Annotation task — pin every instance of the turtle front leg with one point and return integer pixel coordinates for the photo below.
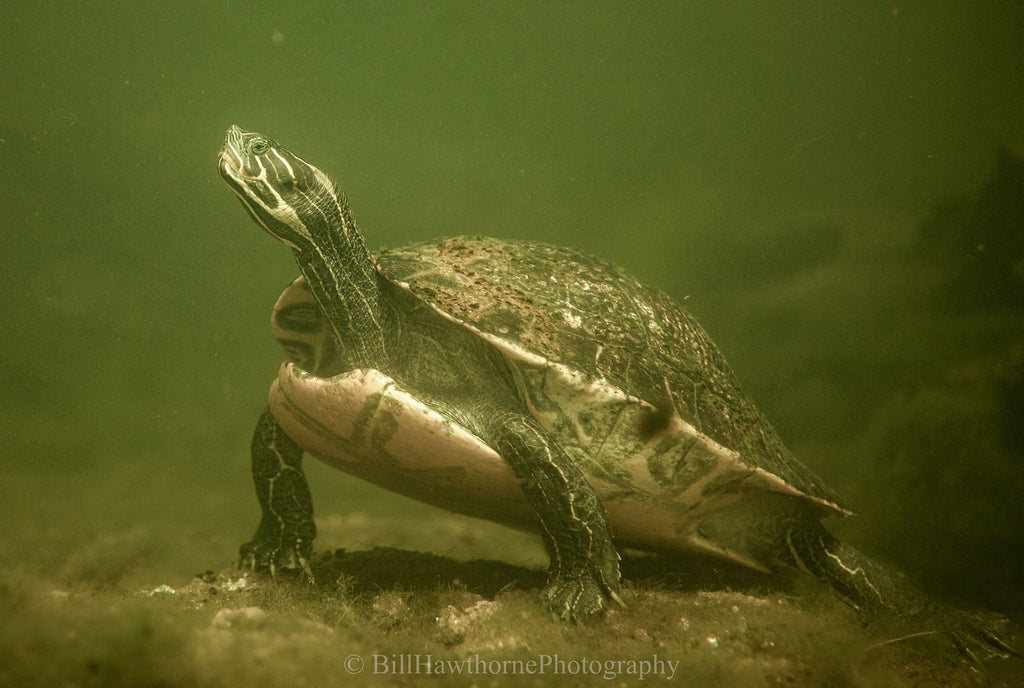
(284, 538)
(584, 570)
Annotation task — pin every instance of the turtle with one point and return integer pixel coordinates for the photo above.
(532, 385)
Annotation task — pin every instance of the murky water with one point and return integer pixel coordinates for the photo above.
(821, 186)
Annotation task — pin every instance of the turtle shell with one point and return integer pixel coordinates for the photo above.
(606, 335)
(623, 378)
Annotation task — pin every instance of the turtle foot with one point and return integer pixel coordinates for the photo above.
(580, 597)
(277, 554)
(976, 636)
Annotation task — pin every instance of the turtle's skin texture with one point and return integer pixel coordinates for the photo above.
(528, 384)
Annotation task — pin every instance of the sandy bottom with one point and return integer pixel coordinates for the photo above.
(92, 596)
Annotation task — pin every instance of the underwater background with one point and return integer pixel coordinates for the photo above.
(835, 190)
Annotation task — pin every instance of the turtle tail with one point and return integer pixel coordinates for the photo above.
(876, 591)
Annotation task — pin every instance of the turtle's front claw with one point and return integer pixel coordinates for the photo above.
(277, 553)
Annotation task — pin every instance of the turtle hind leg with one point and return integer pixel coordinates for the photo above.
(284, 537)
(875, 591)
(856, 579)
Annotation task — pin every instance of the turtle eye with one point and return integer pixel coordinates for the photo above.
(259, 146)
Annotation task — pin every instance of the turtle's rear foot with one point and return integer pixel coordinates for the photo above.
(877, 593)
(582, 591)
(579, 599)
(976, 635)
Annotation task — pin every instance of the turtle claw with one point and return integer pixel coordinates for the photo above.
(304, 565)
(579, 598)
(614, 597)
(975, 637)
(575, 600)
(274, 556)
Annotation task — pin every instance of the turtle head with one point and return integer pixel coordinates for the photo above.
(300, 205)
(291, 199)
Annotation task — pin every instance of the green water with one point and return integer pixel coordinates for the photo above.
(771, 165)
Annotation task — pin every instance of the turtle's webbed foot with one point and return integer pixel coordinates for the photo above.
(581, 595)
(882, 595)
(279, 552)
(284, 538)
(976, 636)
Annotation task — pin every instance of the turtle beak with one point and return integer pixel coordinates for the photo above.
(230, 162)
(227, 166)
(234, 137)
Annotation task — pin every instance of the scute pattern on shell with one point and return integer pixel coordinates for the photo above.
(593, 317)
